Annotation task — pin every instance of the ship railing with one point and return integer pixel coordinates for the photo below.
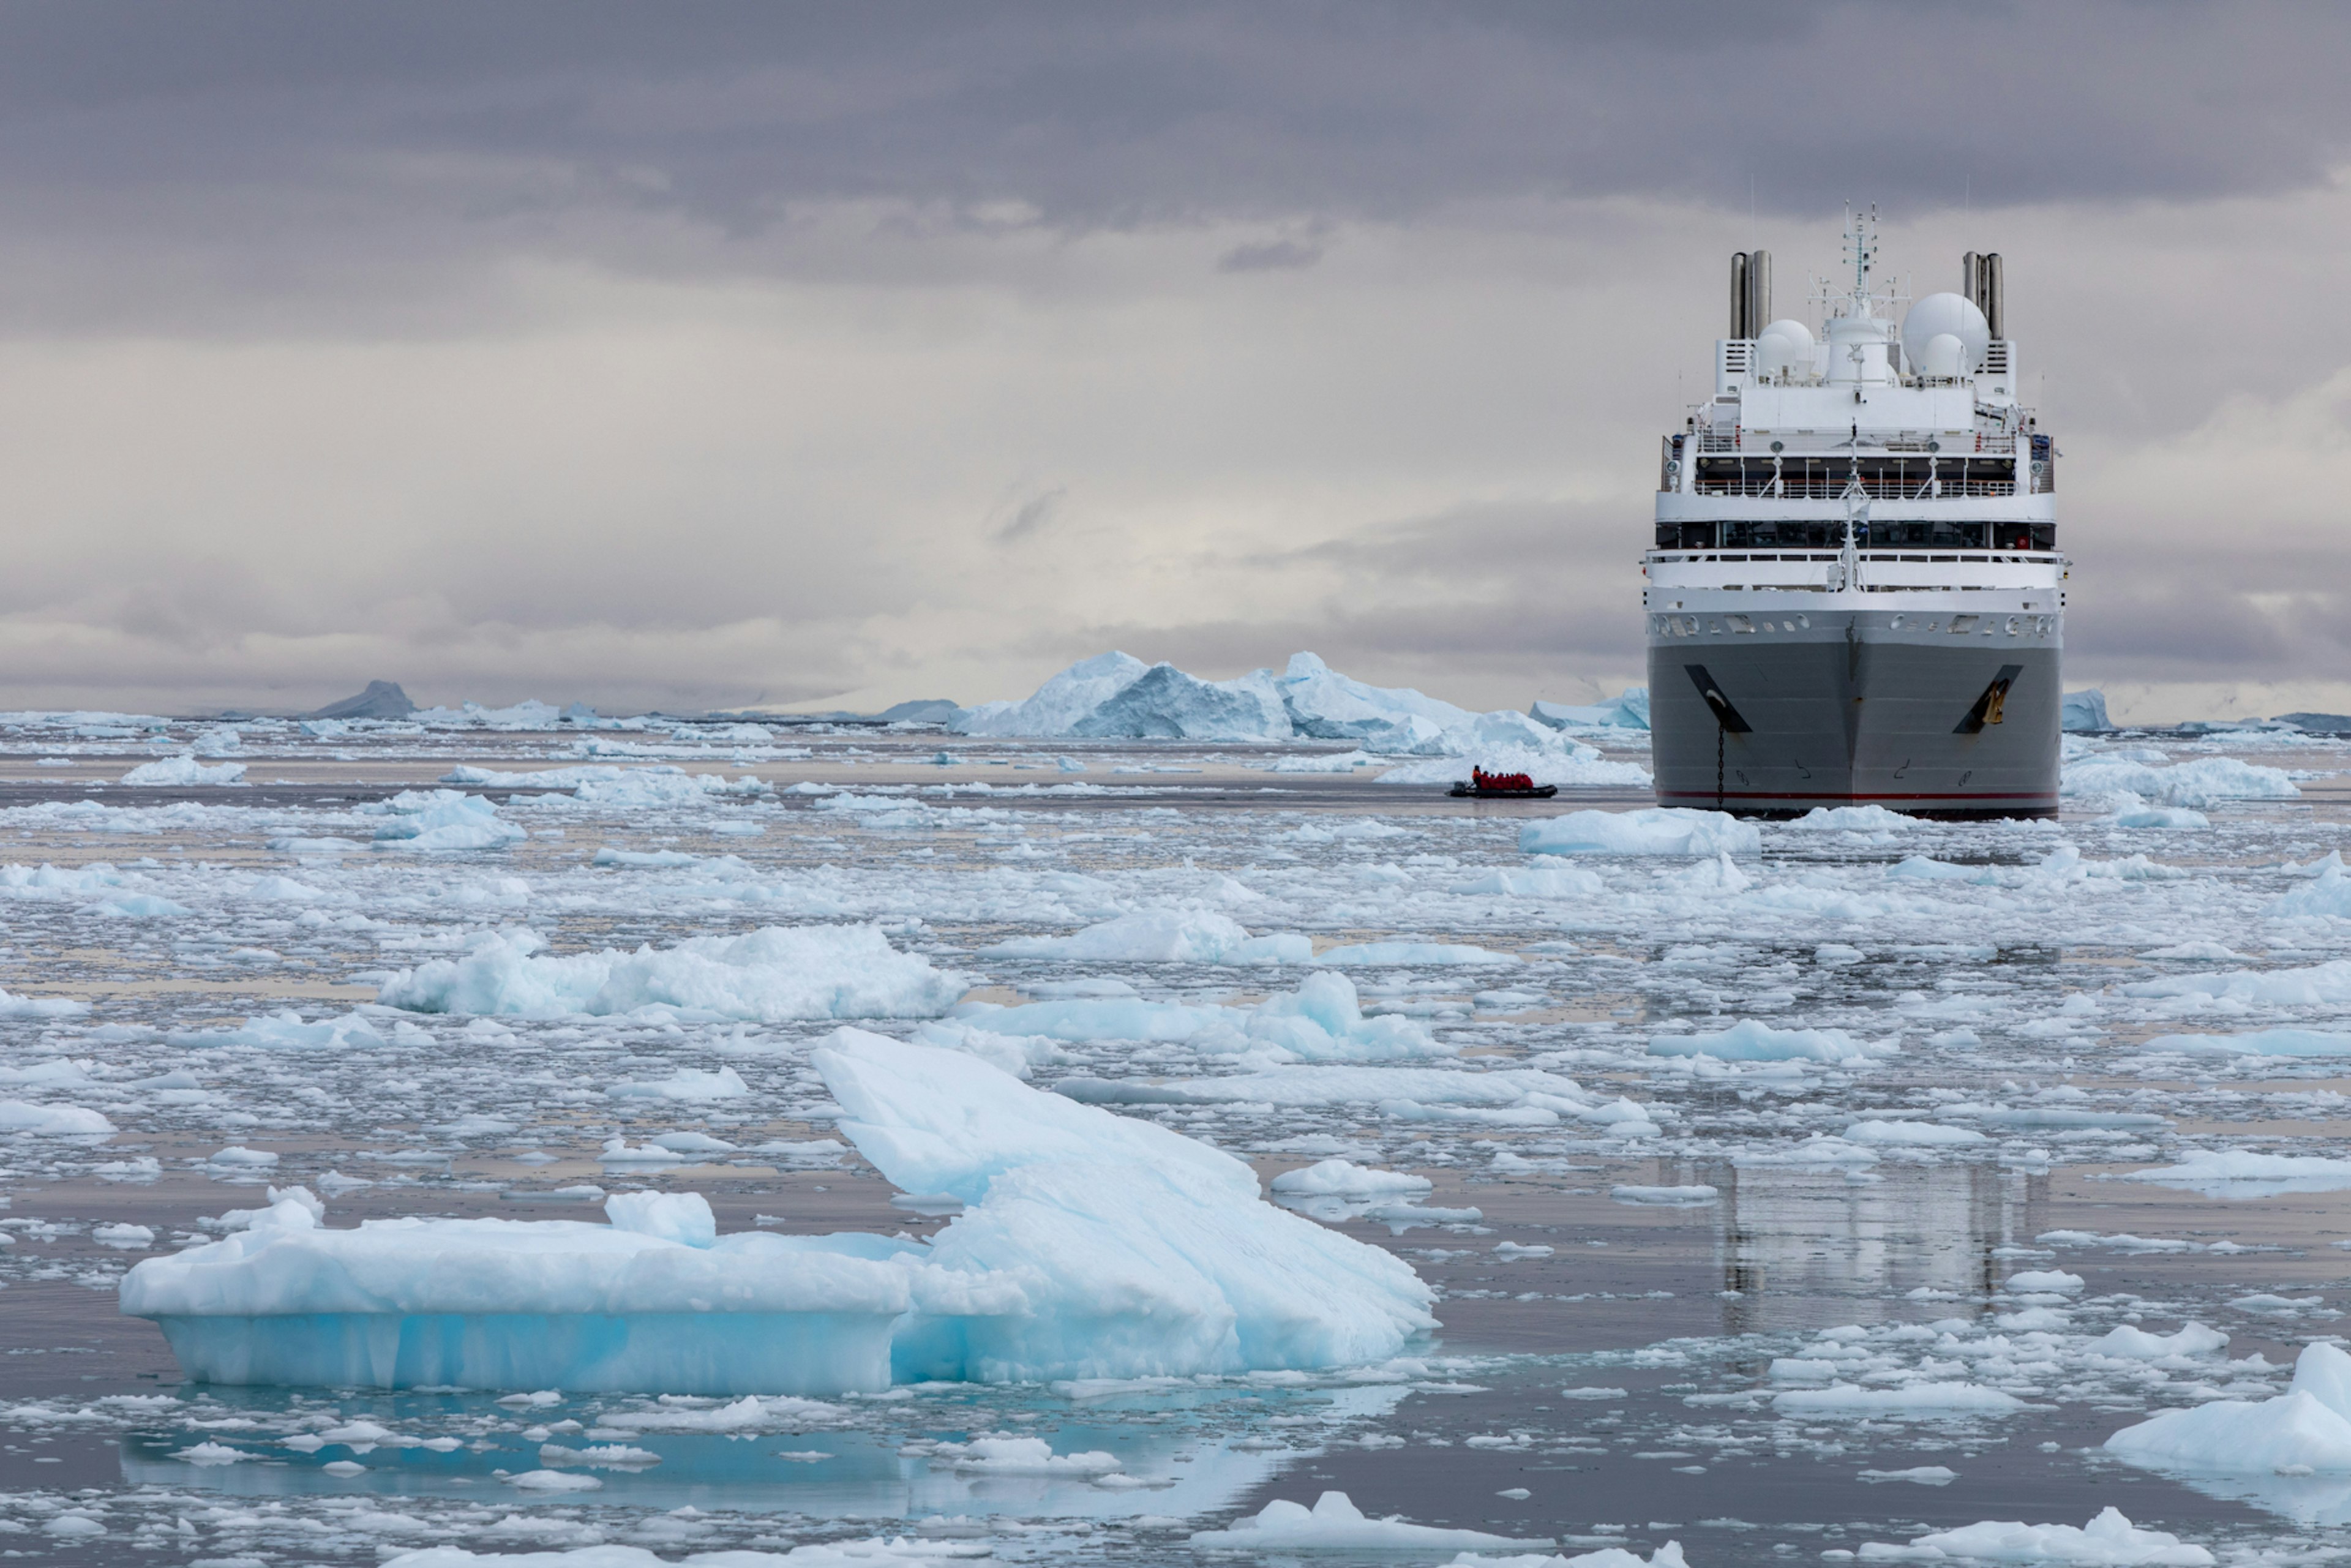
(1792, 487)
(1978, 558)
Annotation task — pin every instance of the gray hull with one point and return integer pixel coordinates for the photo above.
(1852, 709)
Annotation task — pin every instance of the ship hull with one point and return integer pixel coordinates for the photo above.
(1858, 709)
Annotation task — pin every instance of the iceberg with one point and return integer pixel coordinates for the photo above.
(2260, 1042)
(2241, 1173)
(1629, 711)
(1649, 830)
(1057, 704)
(772, 975)
(2327, 895)
(1324, 704)
(1344, 1178)
(2308, 1426)
(1166, 703)
(1090, 1244)
(185, 770)
(2085, 712)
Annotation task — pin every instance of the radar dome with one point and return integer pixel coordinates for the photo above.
(1782, 345)
(1941, 357)
(1946, 315)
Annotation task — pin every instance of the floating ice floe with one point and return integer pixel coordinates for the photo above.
(52, 1120)
(1322, 1020)
(185, 770)
(1343, 1179)
(1165, 937)
(2241, 1173)
(285, 1031)
(16, 1007)
(1650, 831)
(1913, 1401)
(2258, 1042)
(2319, 985)
(1335, 1524)
(442, 819)
(2326, 894)
(1694, 1196)
(2304, 1430)
(1090, 1244)
(770, 974)
(1748, 1041)
(2109, 1541)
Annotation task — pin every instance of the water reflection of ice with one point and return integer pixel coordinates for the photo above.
(1187, 1471)
(1787, 1236)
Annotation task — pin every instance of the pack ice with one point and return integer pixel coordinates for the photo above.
(1092, 1245)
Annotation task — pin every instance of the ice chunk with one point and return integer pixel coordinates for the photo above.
(1164, 702)
(874, 1553)
(1023, 1456)
(683, 1218)
(1649, 830)
(1142, 1252)
(1346, 1179)
(1058, 704)
(1929, 1400)
(16, 1007)
(770, 974)
(443, 819)
(2308, 1426)
(2130, 1344)
(185, 770)
(2241, 1174)
(686, 1084)
(286, 1030)
(1534, 881)
(1322, 1020)
(1870, 819)
(2085, 712)
(2320, 985)
(2328, 893)
(51, 1121)
(1748, 1040)
(1335, 1524)
(1435, 955)
(2109, 1541)
(1165, 937)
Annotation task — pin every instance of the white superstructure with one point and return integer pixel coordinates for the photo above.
(1912, 431)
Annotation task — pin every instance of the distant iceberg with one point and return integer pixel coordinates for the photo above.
(2085, 712)
(1091, 1245)
(1630, 711)
(1116, 695)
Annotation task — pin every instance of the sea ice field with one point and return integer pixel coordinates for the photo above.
(512, 1136)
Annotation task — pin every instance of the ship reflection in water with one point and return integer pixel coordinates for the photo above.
(1796, 1242)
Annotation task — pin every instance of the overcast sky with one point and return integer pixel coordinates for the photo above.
(723, 354)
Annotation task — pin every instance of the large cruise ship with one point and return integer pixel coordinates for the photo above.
(1856, 594)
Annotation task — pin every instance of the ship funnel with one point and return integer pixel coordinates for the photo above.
(1751, 292)
(1979, 281)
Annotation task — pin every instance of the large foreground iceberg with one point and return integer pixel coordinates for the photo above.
(1092, 1245)
(2307, 1428)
